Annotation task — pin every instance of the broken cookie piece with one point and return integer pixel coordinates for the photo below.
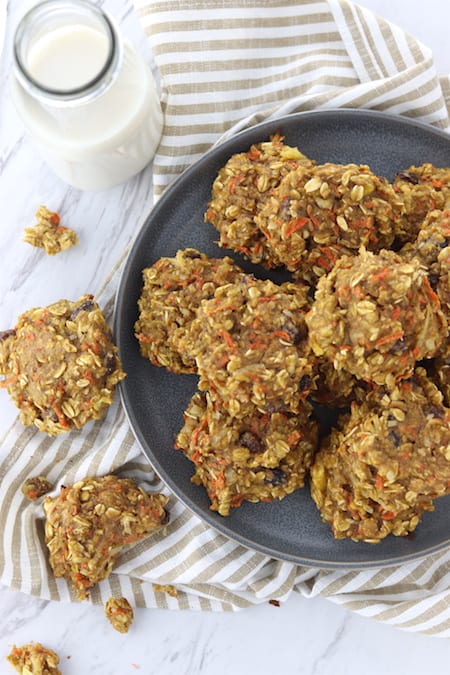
(34, 659)
(119, 613)
(49, 234)
(36, 487)
(90, 523)
(166, 588)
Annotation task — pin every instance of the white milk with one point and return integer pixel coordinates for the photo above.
(101, 141)
(51, 58)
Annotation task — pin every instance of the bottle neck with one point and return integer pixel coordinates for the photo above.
(66, 52)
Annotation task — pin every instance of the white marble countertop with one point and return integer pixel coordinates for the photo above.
(314, 636)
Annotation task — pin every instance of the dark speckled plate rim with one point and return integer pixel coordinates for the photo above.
(262, 130)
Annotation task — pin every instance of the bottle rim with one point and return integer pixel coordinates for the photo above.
(90, 89)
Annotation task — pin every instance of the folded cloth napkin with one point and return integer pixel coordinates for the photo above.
(225, 66)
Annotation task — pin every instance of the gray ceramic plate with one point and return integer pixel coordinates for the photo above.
(154, 399)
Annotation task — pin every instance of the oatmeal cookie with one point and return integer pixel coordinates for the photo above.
(433, 237)
(440, 365)
(432, 249)
(91, 522)
(250, 346)
(259, 457)
(383, 468)
(49, 234)
(421, 189)
(34, 659)
(375, 316)
(443, 281)
(173, 289)
(60, 365)
(119, 613)
(317, 214)
(241, 188)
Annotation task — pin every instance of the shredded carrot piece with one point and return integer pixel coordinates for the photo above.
(388, 515)
(390, 338)
(283, 335)
(55, 219)
(253, 153)
(381, 275)
(379, 482)
(228, 339)
(233, 183)
(295, 225)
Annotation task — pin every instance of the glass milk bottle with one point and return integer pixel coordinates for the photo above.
(84, 94)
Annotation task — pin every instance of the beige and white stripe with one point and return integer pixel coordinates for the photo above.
(225, 65)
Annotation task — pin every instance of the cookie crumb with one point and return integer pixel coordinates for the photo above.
(166, 588)
(49, 234)
(119, 613)
(34, 659)
(36, 487)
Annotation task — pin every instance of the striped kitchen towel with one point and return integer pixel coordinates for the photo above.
(226, 65)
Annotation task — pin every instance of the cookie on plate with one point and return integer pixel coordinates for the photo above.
(250, 345)
(241, 188)
(258, 458)
(173, 289)
(375, 316)
(318, 214)
(381, 469)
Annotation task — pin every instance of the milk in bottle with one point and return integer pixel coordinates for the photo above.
(85, 95)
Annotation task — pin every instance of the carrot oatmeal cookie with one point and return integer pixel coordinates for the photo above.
(256, 458)
(60, 365)
(173, 289)
(432, 249)
(34, 659)
(91, 522)
(49, 234)
(119, 613)
(250, 346)
(375, 316)
(440, 365)
(317, 214)
(433, 237)
(242, 186)
(421, 189)
(443, 281)
(383, 468)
